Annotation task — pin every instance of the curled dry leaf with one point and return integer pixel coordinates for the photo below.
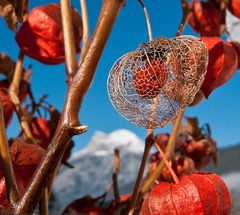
(41, 36)
(7, 67)
(223, 62)
(12, 12)
(162, 140)
(205, 18)
(8, 13)
(191, 128)
(181, 165)
(200, 193)
(23, 89)
(85, 205)
(202, 151)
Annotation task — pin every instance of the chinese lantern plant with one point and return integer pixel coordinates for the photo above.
(41, 35)
(234, 8)
(223, 63)
(198, 193)
(205, 18)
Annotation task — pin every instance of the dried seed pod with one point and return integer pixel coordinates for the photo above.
(153, 84)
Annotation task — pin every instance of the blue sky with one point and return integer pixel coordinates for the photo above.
(221, 110)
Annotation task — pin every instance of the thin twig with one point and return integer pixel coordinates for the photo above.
(147, 19)
(186, 12)
(174, 176)
(12, 190)
(13, 92)
(43, 203)
(86, 34)
(150, 134)
(69, 44)
(168, 153)
(148, 145)
(116, 167)
(69, 124)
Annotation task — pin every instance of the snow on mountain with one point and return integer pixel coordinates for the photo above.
(93, 166)
(233, 26)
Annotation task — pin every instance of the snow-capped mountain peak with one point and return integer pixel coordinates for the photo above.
(94, 164)
(103, 144)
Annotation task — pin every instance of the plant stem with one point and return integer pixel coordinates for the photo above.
(147, 19)
(116, 167)
(69, 124)
(43, 203)
(168, 153)
(186, 12)
(12, 191)
(174, 176)
(69, 41)
(86, 34)
(13, 92)
(149, 138)
(148, 145)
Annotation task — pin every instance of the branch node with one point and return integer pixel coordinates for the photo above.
(77, 129)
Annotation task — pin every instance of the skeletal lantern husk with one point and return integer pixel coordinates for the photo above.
(152, 85)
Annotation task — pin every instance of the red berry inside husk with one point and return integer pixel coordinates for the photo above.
(149, 80)
(41, 36)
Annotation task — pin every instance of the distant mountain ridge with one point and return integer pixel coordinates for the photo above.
(229, 160)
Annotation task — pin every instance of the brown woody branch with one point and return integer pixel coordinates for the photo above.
(168, 154)
(13, 92)
(86, 34)
(116, 167)
(43, 203)
(69, 44)
(165, 160)
(69, 124)
(172, 140)
(148, 145)
(147, 19)
(12, 191)
(186, 12)
(150, 134)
